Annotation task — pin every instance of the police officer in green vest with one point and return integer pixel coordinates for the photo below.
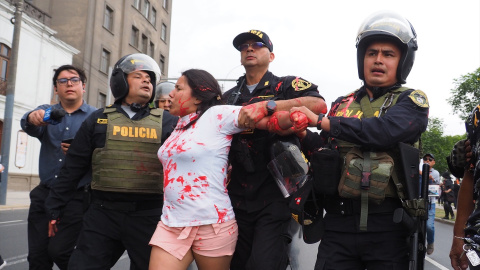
(366, 126)
(118, 145)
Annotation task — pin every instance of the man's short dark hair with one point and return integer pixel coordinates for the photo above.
(80, 72)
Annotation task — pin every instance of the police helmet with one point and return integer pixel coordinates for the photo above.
(393, 27)
(128, 64)
(163, 88)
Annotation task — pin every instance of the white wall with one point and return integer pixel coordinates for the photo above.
(39, 54)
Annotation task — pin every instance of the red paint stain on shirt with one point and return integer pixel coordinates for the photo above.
(221, 214)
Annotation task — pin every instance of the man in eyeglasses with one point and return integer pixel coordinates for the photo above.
(261, 210)
(434, 179)
(69, 84)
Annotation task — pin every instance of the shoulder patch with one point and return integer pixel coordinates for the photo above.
(419, 98)
(300, 85)
(102, 121)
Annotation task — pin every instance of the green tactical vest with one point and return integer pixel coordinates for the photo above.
(129, 161)
(377, 108)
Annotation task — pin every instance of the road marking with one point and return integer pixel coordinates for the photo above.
(14, 260)
(436, 263)
(12, 221)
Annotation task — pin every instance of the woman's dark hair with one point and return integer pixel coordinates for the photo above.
(205, 88)
(80, 72)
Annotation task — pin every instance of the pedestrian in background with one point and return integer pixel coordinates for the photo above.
(434, 179)
(448, 195)
(54, 126)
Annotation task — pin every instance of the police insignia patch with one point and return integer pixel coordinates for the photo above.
(102, 121)
(300, 85)
(419, 98)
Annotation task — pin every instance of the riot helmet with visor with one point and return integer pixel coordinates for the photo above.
(125, 66)
(388, 26)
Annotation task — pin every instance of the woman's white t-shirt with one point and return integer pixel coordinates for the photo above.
(195, 164)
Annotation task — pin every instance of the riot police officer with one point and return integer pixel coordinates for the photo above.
(162, 98)
(366, 126)
(118, 145)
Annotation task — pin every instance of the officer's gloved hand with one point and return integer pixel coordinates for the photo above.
(457, 161)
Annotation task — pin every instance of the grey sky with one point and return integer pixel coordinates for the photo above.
(316, 40)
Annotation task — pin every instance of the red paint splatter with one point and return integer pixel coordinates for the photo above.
(141, 168)
(180, 180)
(166, 172)
(221, 214)
(278, 86)
(204, 182)
(187, 189)
(183, 110)
(219, 116)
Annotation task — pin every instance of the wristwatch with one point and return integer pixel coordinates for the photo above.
(319, 122)
(271, 106)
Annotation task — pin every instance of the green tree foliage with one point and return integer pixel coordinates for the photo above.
(433, 141)
(466, 94)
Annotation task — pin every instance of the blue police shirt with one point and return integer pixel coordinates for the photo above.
(51, 157)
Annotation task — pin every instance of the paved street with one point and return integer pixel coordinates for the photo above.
(13, 240)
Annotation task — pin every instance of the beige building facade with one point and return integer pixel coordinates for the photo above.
(105, 30)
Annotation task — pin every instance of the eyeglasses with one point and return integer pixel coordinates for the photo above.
(428, 159)
(255, 45)
(74, 81)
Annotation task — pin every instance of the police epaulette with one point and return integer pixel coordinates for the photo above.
(156, 112)
(109, 110)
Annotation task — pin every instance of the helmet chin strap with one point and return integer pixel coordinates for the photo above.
(135, 106)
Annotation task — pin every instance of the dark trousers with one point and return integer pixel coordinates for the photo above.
(369, 250)
(263, 238)
(108, 233)
(447, 206)
(42, 250)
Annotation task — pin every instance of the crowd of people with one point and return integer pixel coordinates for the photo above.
(178, 172)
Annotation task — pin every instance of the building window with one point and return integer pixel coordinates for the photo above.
(153, 17)
(108, 18)
(162, 64)
(4, 58)
(165, 4)
(152, 49)
(164, 32)
(134, 37)
(136, 4)
(105, 61)
(146, 8)
(102, 100)
(144, 44)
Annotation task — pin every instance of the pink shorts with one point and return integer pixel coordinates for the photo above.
(212, 240)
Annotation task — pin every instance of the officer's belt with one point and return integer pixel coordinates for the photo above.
(128, 206)
(337, 205)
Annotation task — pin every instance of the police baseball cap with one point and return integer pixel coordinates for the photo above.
(428, 154)
(255, 35)
(307, 212)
